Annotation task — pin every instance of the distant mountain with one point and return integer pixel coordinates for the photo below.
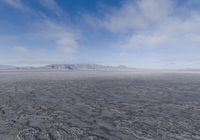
(84, 67)
(94, 67)
(7, 67)
(70, 67)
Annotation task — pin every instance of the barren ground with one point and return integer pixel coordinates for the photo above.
(99, 106)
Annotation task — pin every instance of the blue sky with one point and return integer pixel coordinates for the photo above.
(136, 33)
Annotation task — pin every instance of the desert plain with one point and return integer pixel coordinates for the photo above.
(96, 105)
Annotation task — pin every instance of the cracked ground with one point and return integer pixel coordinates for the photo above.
(99, 106)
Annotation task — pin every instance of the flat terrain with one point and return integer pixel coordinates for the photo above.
(99, 106)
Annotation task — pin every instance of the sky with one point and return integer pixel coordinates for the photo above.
(137, 33)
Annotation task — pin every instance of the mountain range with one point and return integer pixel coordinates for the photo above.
(7, 67)
(74, 67)
(67, 67)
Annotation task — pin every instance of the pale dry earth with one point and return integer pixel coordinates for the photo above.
(99, 106)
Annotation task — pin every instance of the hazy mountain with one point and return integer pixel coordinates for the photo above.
(84, 67)
(73, 67)
(7, 67)
(68, 67)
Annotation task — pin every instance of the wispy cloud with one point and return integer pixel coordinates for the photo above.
(67, 44)
(15, 3)
(48, 30)
(8, 38)
(18, 4)
(51, 5)
(152, 23)
(138, 15)
(23, 5)
(59, 34)
(21, 49)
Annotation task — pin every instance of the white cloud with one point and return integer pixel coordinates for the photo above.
(153, 23)
(155, 10)
(60, 36)
(21, 49)
(139, 15)
(67, 44)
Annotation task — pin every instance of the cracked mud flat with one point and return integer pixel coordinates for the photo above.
(99, 106)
